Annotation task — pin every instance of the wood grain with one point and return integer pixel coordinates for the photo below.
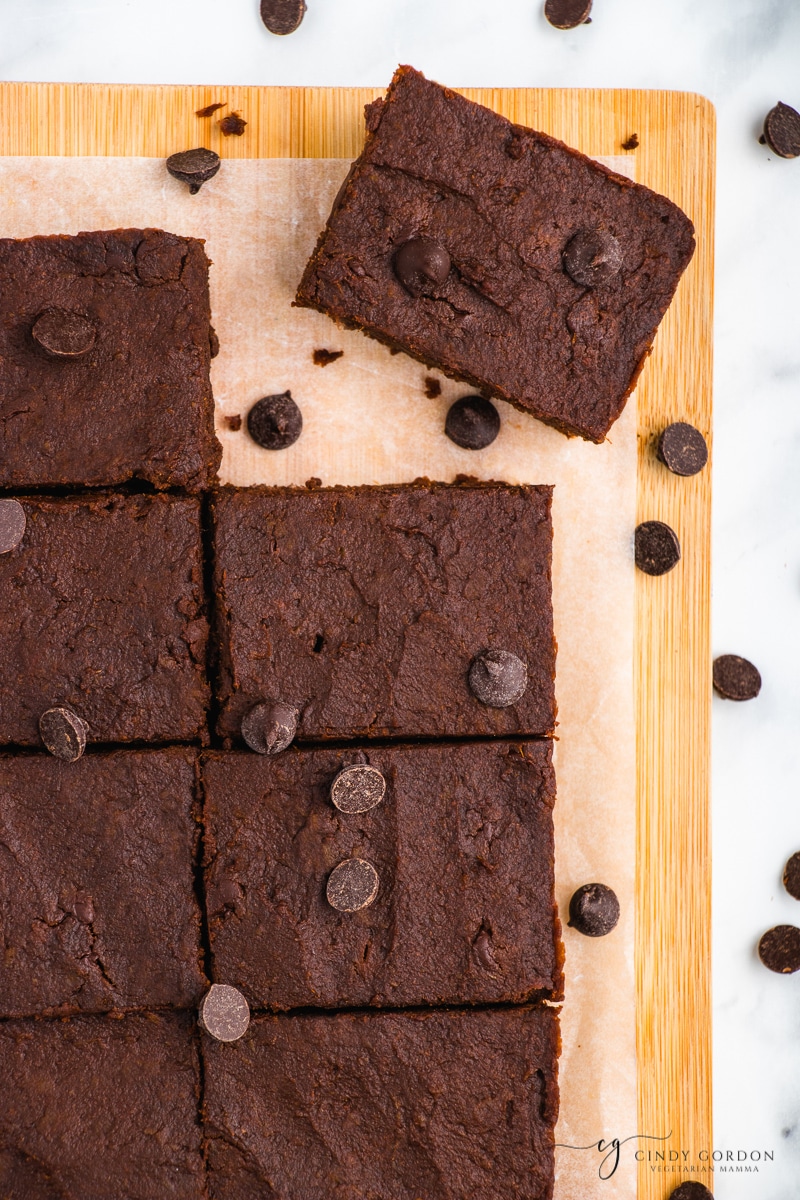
(676, 133)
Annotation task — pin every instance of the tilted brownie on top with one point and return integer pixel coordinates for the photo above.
(104, 361)
(500, 256)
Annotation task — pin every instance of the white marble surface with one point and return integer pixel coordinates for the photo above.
(744, 55)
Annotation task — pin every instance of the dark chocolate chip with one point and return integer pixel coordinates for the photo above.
(483, 950)
(567, 14)
(472, 423)
(683, 449)
(422, 265)
(64, 334)
(594, 910)
(592, 257)
(656, 548)
(12, 525)
(275, 422)
(352, 885)
(233, 125)
(324, 358)
(498, 678)
(224, 1013)
(209, 109)
(194, 167)
(213, 341)
(791, 876)
(63, 733)
(631, 143)
(779, 949)
(782, 131)
(691, 1190)
(233, 422)
(735, 678)
(431, 387)
(282, 16)
(269, 728)
(358, 788)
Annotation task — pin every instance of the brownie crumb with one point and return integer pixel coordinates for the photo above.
(233, 125)
(209, 109)
(313, 483)
(432, 387)
(234, 423)
(373, 113)
(631, 143)
(213, 341)
(324, 358)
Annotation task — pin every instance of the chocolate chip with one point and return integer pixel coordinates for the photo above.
(282, 16)
(64, 334)
(275, 422)
(782, 131)
(631, 143)
(498, 678)
(567, 14)
(63, 733)
(656, 548)
(12, 525)
(209, 109)
(472, 423)
(422, 265)
(791, 876)
(352, 885)
(358, 788)
(324, 358)
(213, 341)
(269, 728)
(224, 1013)
(779, 949)
(594, 910)
(691, 1190)
(683, 449)
(735, 678)
(592, 257)
(194, 167)
(233, 125)
(431, 387)
(234, 422)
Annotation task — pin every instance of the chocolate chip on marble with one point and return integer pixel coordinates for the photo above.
(779, 949)
(352, 885)
(735, 678)
(656, 548)
(224, 1013)
(682, 449)
(691, 1190)
(269, 728)
(791, 876)
(594, 910)
(592, 257)
(422, 265)
(498, 678)
(232, 125)
(567, 14)
(12, 525)
(194, 167)
(275, 422)
(63, 733)
(782, 131)
(472, 423)
(213, 341)
(282, 16)
(64, 334)
(358, 788)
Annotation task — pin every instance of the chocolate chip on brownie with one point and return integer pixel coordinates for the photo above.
(63, 733)
(270, 728)
(282, 16)
(352, 885)
(498, 678)
(275, 422)
(735, 678)
(592, 257)
(568, 14)
(779, 949)
(422, 265)
(791, 876)
(472, 423)
(782, 131)
(224, 1013)
(682, 449)
(12, 525)
(194, 167)
(63, 334)
(358, 788)
(656, 548)
(594, 910)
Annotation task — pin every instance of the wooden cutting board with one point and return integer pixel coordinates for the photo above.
(675, 155)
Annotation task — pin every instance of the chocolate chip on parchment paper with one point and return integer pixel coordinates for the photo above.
(472, 423)
(656, 548)
(682, 449)
(782, 131)
(358, 788)
(791, 876)
(63, 733)
(12, 525)
(232, 125)
(735, 678)
(64, 334)
(498, 678)
(352, 885)
(691, 1190)
(422, 265)
(194, 167)
(224, 1013)
(567, 14)
(779, 949)
(270, 727)
(275, 422)
(594, 910)
(591, 257)
(282, 16)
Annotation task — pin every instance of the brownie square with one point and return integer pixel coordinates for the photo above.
(135, 401)
(504, 202)
(439, 1105)
(94, 1108)
(103, 614)
(364, 607)
(97, 883)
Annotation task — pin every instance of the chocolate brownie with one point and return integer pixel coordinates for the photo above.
(94, 1108)
(462, 843)
(365, 608)
(443, 1105)
(103, 614)
(499, 256)
(97, 883)
(104, 361)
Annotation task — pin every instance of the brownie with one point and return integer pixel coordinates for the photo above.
(499, 204)
(97, 883)
(365, 607)
(463, 846)
(131, 397)
(441, 1105)
(94, 1108)
(103, 613)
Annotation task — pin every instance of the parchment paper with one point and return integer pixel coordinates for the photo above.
(367, 420)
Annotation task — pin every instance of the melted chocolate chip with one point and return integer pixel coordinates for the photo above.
(594, 910)
(422, 265)
(656, 548)
(691, 1190)
(224, 1013)
(194, 167)
(233, 125)
(213, 341)
(472, 423)
(282, 16)
(275, 422)
(63, 733)
(791, 876)
(735, 678)
(352, 885)
(64, 334)
(782, 131)
(567, 14)
(324, 358)
(779, 949)
(358, 788)
(592, 257)
(498, 678)
(682, 449)
(270, 728)
(209, 109)
(12, 525)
